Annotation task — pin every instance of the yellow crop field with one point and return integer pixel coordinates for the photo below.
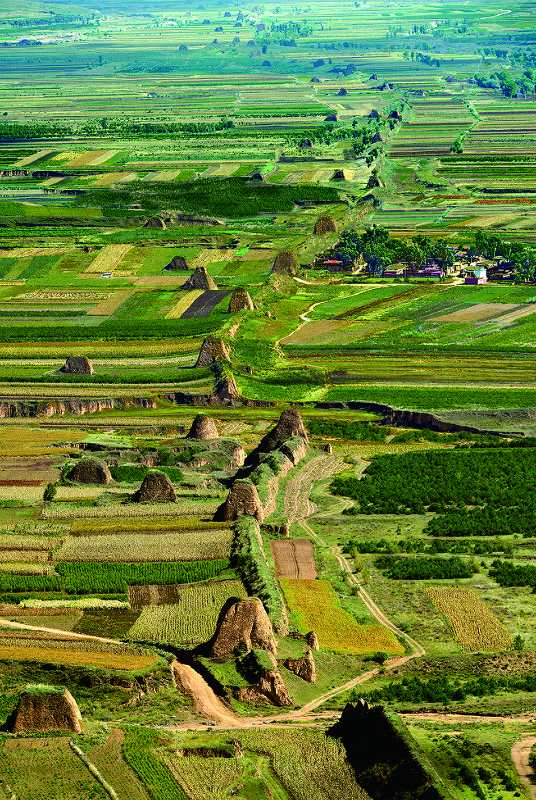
(109, 258)
(475, 626)
(82, 658)
(110, 304)
(183, 304)
(316, 607)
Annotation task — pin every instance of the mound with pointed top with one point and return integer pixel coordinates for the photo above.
(203, 427)
(289, 425)
(243, 625)
(177, 264)
(155, 488)
(243, 500)
(226, 390)
(325, 224)
(213, 351)
(90, 470)
(200, 279)
(240, 301)
(156, 222)
(77, 365)
(285, 263)
(374, 181)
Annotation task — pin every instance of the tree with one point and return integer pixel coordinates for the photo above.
(50, 493)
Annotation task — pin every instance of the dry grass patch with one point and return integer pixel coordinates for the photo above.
(79, 658)
(480, 312)
(475, 626)
(110, 304)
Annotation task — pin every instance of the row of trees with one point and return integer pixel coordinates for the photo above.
(106, 126)
(510, 85)
(487, 521)
(420, 568)
(470, 547)
(444, 689)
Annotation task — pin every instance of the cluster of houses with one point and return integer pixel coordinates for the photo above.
(475, 270)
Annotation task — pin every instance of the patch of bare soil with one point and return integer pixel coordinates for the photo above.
(205, 701)
(520, 756)
(294, 558)
(481, 312)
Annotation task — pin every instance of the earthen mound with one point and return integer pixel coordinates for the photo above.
(285, 263)
(374, 181)
(213, 350)
(226, 390)
(200, 279)
(156, 222)
(77, 365)
(325, 225)
(289, 425)
(270, 687)
(339, 175)
(203, 427)
(238, 457)
(243, 499)
(312, 640)
(177, 263)
(44, 709)
(303, 667)
(240, 301)
(243, 626)
(90, 470)
(155, 488)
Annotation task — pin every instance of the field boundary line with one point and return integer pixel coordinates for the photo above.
(110, 791)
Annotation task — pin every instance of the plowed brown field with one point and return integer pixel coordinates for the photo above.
(294, 558)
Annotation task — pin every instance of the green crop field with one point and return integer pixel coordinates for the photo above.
(267, 400)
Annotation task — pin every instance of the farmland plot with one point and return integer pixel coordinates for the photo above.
(203, 305)
(192, 618)
(317, 607)
(187, 546)
(294, 558)
(475, 625)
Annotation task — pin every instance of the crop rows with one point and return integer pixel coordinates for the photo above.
(475, 626)
(192, 620)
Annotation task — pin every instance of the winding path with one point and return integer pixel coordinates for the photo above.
(520, 756)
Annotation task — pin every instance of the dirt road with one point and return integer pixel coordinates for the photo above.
(520, 756)
(206, 702)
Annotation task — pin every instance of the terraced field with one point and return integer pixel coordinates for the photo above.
(335, 416)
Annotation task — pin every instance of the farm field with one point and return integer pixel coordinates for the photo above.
(267, 400)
